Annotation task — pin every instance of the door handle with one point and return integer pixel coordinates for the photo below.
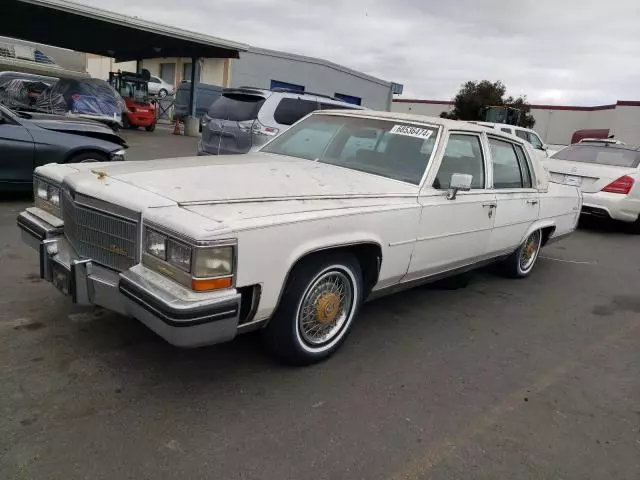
(532, 202)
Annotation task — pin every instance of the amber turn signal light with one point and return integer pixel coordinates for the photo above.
(207, 284)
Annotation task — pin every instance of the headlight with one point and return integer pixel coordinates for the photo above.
(47, 195)
(156, 244)
(179, 255)
(118, 155)
(213, 262)
(202, 268)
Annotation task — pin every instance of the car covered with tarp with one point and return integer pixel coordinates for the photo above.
(21, 90)
(88, 98)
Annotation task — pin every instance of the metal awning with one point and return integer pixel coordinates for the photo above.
(66, 24)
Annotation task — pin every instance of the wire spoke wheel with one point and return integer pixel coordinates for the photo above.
(325, 307)
(529, 251)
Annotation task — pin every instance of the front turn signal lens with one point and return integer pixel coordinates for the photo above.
(208, 284)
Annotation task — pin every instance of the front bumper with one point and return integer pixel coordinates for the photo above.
(624, 208)
(182, 317)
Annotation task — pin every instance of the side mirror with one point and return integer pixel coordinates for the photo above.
(460, 182)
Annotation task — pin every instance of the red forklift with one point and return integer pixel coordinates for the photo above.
(134, 89)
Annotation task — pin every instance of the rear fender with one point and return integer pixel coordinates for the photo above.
(538, 225)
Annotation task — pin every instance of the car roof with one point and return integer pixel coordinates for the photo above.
(272, 91)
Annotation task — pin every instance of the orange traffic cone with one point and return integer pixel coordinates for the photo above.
(176, 128)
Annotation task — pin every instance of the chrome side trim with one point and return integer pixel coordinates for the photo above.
(435, 237)
(434, 277)
(303, 197)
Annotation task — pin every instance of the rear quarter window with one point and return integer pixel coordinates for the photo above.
(236, 106)
(290, 110)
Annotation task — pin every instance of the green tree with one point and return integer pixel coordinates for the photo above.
(474, 97)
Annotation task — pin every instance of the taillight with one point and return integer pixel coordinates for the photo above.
(622, 185)
(261, 129)
(75, 97)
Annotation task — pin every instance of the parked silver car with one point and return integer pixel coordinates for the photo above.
(245, 118)
(159, 87)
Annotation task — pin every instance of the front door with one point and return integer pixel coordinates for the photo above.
(16, 144)
(517, 200)
(454, 233)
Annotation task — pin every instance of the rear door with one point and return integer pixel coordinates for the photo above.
(232, 118)
(516, 198)
(18, 151)
(592, 167)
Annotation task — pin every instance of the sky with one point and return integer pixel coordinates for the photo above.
(574, 52)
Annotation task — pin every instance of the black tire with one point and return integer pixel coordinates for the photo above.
(150, 128)
(162, 93)
(512, 266)
(633, 228)
(285, 335)
(83, 157)
(125, 122)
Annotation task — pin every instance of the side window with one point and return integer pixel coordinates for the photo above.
(290, 110)
(523, 135)
(462, 155)
(535, 141)
(524, 167)
(333, 106)
(154, 80)
(507, 172)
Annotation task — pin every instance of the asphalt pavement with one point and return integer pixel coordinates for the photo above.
(504, 379)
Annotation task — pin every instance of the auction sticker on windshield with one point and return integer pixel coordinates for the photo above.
(410, 131)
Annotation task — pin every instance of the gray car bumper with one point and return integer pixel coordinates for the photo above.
(180, 316)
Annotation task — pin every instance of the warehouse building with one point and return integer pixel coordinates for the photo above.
(556, 123)
(263, 68)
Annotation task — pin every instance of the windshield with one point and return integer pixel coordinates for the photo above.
(380, 147)
(600, 154)
(236, 106)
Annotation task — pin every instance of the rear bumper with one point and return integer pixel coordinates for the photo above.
(623, 208)
(182, 317)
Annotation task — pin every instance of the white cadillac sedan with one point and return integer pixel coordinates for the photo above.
(607, 173)
(292, 239)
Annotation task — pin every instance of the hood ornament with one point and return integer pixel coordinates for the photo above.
(99, 174)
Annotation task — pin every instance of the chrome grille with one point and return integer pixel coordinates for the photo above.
(105, 238)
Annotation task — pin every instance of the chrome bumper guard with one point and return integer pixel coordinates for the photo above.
(182, 317)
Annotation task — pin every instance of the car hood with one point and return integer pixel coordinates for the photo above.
(80, 126)
(252, 177)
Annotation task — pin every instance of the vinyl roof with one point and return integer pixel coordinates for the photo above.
(92, 30)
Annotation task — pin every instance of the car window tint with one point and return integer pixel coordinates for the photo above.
(506, 167)
(523, 135)
(333, 106)
(290, 110)
(236, 106)
(535, 140)
(463, 154)
(524, 166)
(380, 147)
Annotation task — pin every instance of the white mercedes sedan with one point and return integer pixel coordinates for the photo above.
(608, 175)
